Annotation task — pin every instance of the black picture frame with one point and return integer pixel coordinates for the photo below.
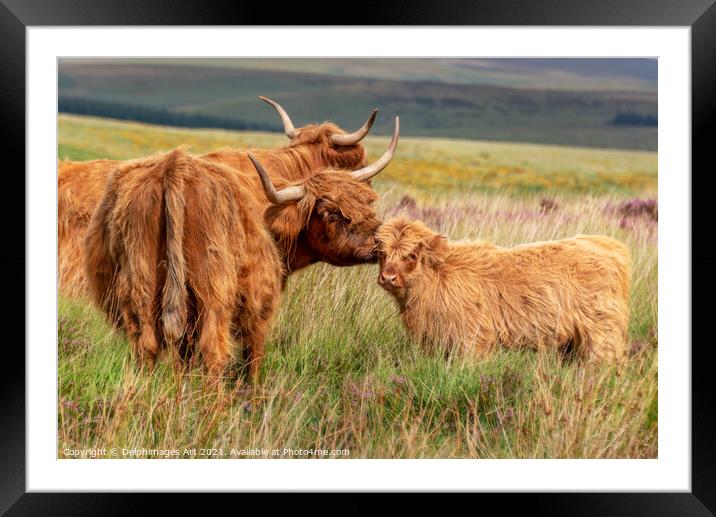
(700, 15)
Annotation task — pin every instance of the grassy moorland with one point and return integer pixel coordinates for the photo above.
(340, 373)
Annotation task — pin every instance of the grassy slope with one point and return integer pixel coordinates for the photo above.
(427, 108)
(421, 165)
(340, 372)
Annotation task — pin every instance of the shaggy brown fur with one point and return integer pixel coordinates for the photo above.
(81, 185)
(178, 246)
(475, 296)
(79, 189)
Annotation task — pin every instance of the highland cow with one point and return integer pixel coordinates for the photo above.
(182, 246)
(81, 184)
(79, 189)
(474, 296)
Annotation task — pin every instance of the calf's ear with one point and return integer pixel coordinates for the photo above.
(436, 249)
(438, 242)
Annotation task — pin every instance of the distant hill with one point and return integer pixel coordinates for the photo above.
(427, 107)
(562, 74)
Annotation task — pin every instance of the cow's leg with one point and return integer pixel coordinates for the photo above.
(254, 347)
(251, 327)
(142, 337)
(215, 341)
(138, 323)
(143, 296)
(185, 351)
(148, 345)
(186, 345)
(131, 322)
(251, 335)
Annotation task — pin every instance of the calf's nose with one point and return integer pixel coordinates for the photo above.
(387, 278)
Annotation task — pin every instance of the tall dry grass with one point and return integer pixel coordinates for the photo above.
(340, 373)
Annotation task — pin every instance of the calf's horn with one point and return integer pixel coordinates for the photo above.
(356, 136)
(287, 124)
(286, 195)
(381, 163)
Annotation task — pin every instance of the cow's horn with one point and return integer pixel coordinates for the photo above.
(287, 124)
(381, 163)
(356, 136)
(285, 195)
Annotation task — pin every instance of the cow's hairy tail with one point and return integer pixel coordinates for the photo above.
(174, 310)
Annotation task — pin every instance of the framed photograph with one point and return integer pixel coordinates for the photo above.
(451, 257)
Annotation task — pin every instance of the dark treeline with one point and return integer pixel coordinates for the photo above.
(634, 119)
(139, 113)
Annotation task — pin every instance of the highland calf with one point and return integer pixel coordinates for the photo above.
(471, 297)
(81, 184)
(183, 249)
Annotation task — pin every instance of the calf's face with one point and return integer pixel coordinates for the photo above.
(401, 265)
(396, 270)
(406, 251)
